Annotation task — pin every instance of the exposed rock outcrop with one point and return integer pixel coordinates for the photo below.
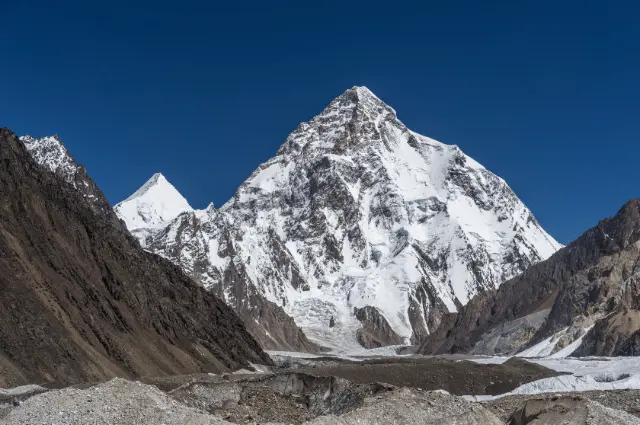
(375, 331)
(405, 406)
(284, 397)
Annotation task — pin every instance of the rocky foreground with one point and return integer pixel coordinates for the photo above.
(287, 395)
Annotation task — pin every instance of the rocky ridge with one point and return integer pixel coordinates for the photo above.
(81, 301)
(51, 153)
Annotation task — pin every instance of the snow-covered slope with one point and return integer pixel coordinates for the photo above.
(357, 210)
(153, 205)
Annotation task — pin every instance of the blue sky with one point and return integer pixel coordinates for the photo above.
(544, 94)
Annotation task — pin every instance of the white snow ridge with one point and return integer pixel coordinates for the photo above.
(354, 210)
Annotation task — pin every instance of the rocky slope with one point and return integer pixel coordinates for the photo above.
(81, 301)
(357, 211)
(586, 297)
(511, 407)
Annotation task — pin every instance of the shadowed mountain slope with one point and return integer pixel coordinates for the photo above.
(80, 300)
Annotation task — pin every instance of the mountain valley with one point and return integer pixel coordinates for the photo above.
(364, 274)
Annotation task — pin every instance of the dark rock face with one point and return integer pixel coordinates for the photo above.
(423, 301)
(592, 277)
(616, 335)
(81, 301)
(440, 336)
(375, 331)
(270, 325)
(508, 337)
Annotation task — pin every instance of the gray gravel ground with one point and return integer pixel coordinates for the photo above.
(622, 400)
(120, 402)
(117, 402)
(299, 399)
(572, 409)
(412, 407)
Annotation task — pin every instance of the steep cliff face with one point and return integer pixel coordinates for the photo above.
(81, 301)
(357, 210)
(587, 290)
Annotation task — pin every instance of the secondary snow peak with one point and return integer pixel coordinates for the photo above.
(153, 205)
(158, 179)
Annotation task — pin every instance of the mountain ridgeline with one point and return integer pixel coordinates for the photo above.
(80, 300)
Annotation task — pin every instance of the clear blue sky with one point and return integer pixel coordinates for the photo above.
(545, 94)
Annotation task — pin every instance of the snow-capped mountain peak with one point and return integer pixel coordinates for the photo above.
(363, 224)
(355, 111)
(157, 180)
(153, 205)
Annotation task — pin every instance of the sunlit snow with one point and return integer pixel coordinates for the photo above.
(153, 205)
